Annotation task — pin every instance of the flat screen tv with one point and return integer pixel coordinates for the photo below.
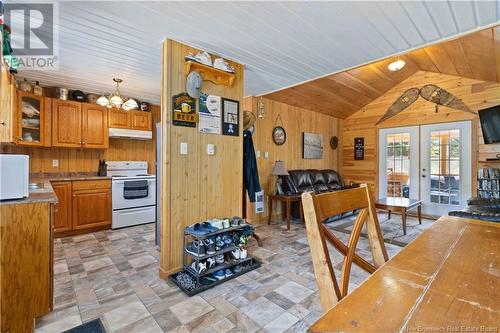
(490, 123)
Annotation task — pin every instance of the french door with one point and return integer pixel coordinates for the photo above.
(446, 167)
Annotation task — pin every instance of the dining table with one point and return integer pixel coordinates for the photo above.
(446, 280)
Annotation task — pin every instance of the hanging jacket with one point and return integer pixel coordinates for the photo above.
(250, 172)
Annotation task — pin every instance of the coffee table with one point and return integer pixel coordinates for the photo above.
(402, 205)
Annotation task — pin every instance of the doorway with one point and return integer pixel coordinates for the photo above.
(429, 162)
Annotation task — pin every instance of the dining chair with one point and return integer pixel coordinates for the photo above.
(317, 209)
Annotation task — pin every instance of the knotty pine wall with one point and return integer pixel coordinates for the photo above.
(195, 186)
(476, 94)
(295, 120)
(87, 160)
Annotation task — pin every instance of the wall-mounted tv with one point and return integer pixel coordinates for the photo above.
(490, 124)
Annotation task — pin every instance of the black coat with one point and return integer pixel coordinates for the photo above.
(250, 172)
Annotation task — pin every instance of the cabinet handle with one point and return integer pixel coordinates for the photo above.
(3, 123)
(18, 138)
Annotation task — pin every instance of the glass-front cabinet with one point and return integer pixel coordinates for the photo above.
(31, 117)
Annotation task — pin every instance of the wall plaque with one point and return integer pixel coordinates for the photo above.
(184, 110)
(359, 148)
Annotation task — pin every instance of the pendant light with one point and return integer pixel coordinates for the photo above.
(116, 100)
(130, 104)
(396, 65)
(103, 101)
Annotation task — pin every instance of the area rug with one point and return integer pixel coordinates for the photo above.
(392, 229)
(93, 326)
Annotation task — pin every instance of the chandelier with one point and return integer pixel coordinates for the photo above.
(116, 100)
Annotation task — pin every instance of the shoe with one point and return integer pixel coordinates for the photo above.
(243, 253)
(197, 230)
(196, 248)
(219, 275)
(201, 57)
(235, 254)
(225, 223)
(243, 240)
(237, 268)
(211, 262)
(236, 238)
(209, 245)
(227, 240)
(199, 267)
(235, 221)
(209, 227)
(186, 281)
(216, 223)
(219, 258)
(227, 272)
(222, 64)
(219, 243)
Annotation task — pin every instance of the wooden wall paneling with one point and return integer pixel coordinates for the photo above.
(195, 186)
(476, 94)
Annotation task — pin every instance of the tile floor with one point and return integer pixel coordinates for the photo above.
(113, 275)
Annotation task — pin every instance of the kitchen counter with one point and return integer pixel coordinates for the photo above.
(45, 193)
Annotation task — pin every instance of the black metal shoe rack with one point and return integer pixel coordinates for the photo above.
(249, 263)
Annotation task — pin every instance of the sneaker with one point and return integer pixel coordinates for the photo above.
(219, 275)
(197, 229)
(235, 222)
(199, 267)
(243, 253)
(211, 262)
(222, 64)
(201, 57)
(219, 243)
(219, 258)
(196, 248)
(209, 245)
(237, 268)
(227, 240)
(225, 223)
(236, 238)
(216, 223)
(186, 281)
(235, 254)
(227, 272)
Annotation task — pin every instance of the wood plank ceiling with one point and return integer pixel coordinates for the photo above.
(475, 56)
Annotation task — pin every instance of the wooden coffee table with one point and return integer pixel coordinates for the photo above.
(402, 205)
(286, 201)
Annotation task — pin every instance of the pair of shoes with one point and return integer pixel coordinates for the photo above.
(240, 253)
(201, 57)
(200, 248)
(222, 274)
(219, 243)
(200, 229)
(199, 266)
(237, 268)
(186, 281)
(236, 221)
(221, 63)
(219, 259)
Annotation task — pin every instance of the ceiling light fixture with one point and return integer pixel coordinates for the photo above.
(396, 65)
(116, 100)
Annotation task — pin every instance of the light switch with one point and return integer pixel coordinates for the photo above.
(55, 163)
(210, 149)
(257, 153)
(266, 155)
(184, 148)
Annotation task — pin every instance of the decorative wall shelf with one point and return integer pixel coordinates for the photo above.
(209, 73)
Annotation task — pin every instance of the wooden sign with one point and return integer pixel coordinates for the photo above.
(184, 110)
(359, 148)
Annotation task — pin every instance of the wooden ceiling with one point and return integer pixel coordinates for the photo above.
(475, 56)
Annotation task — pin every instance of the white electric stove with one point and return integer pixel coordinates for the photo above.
(134, 193)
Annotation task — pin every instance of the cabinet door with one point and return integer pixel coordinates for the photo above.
(62, 210)
(7, 105)
(91, 208)
(66, 123)
(30, 119)
(141, 120)
(94, 126)
(119, 118)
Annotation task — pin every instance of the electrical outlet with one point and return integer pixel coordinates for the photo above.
(257, 153)
(266, 155)
(55, 163)
(184, 148)
(210, 149)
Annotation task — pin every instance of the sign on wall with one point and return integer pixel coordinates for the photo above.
(230, 120)
(359, 148)
(184, 110)
(210, 114)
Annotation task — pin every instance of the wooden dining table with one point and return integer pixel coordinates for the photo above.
(446, 280)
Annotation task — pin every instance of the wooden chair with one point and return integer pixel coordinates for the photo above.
(317, 209)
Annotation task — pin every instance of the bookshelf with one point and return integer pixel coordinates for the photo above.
(488, 182)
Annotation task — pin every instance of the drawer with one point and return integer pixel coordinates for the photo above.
(79, 185)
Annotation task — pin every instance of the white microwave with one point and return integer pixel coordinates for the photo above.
(14, 176)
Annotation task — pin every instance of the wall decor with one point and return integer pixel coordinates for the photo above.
(230, 119)
(193, 84)
(359, 148)
(184, 110)
(210, 114)
(261, 110)
(334, 142)
(279, 133)
(312, 146)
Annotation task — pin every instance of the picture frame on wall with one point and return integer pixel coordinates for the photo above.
(230, 117)
(312, 145)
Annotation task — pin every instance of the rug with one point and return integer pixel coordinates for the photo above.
(392, 229)
(93, 326)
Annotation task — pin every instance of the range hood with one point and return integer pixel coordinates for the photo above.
(130, 134)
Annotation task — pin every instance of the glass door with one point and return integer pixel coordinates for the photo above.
(446, 167)
(399, 162)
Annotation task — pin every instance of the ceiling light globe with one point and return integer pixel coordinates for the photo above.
(396, 65)
(130, 104)
(116, 101)
(103, 101)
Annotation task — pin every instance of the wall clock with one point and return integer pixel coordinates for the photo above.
(279, 135)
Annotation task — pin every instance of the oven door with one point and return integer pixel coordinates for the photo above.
(126, 196)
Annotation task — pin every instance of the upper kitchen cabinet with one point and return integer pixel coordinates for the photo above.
(94, 126)
(141, 120)
(119, 118)
(66, 123)
(134, 120)
(32, 120)
(7, 104)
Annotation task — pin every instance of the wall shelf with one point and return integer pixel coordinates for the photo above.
(209, 73)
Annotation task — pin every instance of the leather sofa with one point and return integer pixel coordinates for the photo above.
(480, 209)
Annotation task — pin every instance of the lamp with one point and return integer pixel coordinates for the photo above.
(279, 170)
(116, 100)
(396, 65)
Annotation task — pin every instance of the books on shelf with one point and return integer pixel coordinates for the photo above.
(488, 183)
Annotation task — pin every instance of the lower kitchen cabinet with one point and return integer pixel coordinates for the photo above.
(62, 210)
(91, 208)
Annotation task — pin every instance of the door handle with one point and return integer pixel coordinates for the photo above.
(423, 176)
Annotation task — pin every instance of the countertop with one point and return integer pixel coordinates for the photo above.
(46, 193)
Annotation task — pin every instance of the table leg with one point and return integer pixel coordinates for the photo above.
(403, 217)
(301, 212)
(419, 211)
(389, 215)
(288, 213)
(270, 210)
(258, 239)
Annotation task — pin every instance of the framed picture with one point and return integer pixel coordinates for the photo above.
(279, 135)
(312, 146)
(230, 117)
(184, 110)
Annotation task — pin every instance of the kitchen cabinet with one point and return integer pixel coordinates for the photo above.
(32, 119)
(62, 210)
(7, 104)
(78, 125)
(135, 120)
(91, 204)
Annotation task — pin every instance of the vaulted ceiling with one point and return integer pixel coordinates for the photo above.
(475, 56)
(281, 43)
